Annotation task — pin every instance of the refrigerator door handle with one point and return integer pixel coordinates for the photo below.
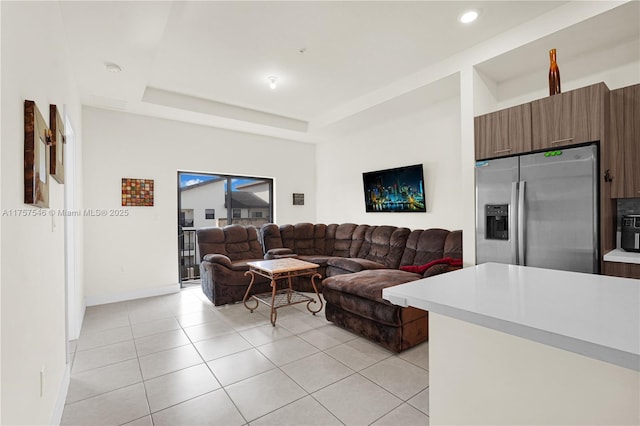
(521, 224)
(513, 223)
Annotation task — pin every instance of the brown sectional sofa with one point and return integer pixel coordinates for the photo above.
(358, 268)
(358, 261)
(338, 249)
(355, 301)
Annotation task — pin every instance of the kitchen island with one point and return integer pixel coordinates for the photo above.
(520, 345)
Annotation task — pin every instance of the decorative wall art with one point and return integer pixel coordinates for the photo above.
(137, 192)
(298, 199)
(37, 138)
(56, 166)
(395, 190)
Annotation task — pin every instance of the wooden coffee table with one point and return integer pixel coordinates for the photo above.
(279, 269)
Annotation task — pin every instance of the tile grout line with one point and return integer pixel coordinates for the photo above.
(232, 329)
(246, 422)
(146, 396)
(279, 367)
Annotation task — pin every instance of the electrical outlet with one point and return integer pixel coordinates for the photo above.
(41, 381)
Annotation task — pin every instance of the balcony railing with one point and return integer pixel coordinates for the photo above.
(189, 266)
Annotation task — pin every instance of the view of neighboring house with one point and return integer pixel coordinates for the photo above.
(204, 204)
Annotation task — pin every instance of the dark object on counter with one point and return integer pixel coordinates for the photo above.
(630, 240)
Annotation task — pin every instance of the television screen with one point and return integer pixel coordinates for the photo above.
(395, 190)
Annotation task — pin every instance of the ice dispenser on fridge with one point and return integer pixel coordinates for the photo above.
(497, 226)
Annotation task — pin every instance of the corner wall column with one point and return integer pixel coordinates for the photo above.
(467, 163)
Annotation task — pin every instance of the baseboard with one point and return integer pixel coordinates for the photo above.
(131, 295)
(56, 418)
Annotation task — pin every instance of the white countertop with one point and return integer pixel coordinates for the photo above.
(619, 255)
(593, 315)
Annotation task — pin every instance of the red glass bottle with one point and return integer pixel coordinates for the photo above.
(554, 74)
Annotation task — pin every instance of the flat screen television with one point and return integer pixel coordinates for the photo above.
(395, 190)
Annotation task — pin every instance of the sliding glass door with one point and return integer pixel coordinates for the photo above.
(217, 200)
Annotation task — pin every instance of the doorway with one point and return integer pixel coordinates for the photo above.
(208, 199)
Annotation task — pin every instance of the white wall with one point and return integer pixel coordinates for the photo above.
(32, 297)
(0, 234)
(137, 255)
(430, 136)
(73, 227)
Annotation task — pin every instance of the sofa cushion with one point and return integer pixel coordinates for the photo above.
(241, 265)
(339, 239)
(384, 245)
(453, 245)
(237, 242)
(318, 259)
(304, 238)
(357, 239)
(369, 284)
(354, 264)
(361, 294)
(423, 246)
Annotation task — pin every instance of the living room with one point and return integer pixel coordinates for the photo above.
(425, 117)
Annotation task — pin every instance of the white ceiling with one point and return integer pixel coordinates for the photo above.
(208, 62)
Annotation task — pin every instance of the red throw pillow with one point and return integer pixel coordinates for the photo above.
(409, 268)
(455, 262)
(420, 269)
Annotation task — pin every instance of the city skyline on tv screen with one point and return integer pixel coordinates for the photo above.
(395, 190)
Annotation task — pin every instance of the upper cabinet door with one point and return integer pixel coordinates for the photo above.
(568, 118)
(625, 142)
(503, 133)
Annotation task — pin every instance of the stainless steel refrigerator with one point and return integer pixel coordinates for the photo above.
(539, 210)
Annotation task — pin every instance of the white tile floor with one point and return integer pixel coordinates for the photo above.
(179, 360)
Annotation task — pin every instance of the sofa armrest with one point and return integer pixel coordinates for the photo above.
(218, 258)
(353, 264)
(345, 264)
(279, 253)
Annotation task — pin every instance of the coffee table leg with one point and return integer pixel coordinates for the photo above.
(290, 289)
(274, 314)
(315, 288)
(246, 295)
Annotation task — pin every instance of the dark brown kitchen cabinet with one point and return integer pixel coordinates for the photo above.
(569, 118)
(624, 142)
(625, 270)
(502, 133)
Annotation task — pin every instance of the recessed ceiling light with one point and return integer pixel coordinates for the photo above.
(112, 67)
(468, 17)
(272, 81)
